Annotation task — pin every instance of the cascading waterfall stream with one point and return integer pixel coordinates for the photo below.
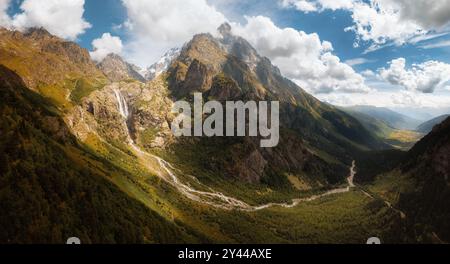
(214, 199)
(123, 106)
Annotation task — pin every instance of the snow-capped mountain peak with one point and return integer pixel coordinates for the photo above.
(161, 65)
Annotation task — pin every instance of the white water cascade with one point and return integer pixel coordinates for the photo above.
(123, 106)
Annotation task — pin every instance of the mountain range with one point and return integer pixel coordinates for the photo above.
(428, 126)
(387, 125)
(391, 118)
(88, 152)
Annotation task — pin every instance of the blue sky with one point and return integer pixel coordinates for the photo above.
(398, 73)
(330, 25)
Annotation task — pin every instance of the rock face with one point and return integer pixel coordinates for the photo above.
(197, 78)
(116, 69)
(224, 88)
(59, 47)
(251, 168)
(147, 117)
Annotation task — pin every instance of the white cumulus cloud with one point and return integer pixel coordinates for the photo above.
(357, 61)
(63, 18)
(380, 22)
(384, 21)
(317, 5)
(105, 45)
(426, 77)
(390, 99)
(302, 57)
(4, 18)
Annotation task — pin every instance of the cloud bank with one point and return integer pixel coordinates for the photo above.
(158, 25)
(302, 57)
(61, 18)
(426, 77)
(383, 21)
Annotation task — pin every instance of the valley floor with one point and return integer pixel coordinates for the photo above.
(343, 215)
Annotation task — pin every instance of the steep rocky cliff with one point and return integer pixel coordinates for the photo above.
(116, 69)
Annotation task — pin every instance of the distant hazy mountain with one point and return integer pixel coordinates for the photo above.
(377, 126)
(398, 138)
(423, 113)
(428, 126)
(391, 118)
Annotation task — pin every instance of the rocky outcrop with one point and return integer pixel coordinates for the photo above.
(147, 120)
(198, 78)
(225, 88)
(251, 168)
(116, 69)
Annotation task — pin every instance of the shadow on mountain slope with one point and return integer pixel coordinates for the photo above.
(46, 196)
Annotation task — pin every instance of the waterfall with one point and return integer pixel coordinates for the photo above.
(123, 106)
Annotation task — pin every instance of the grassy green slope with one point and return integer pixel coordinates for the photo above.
(420, 186)
(59, 70)
(427, 127)
(46, 196)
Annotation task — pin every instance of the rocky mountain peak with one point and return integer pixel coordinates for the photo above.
(38, 33)
(53, 44)
(231, 59)
(225, 29)
(117, 69)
